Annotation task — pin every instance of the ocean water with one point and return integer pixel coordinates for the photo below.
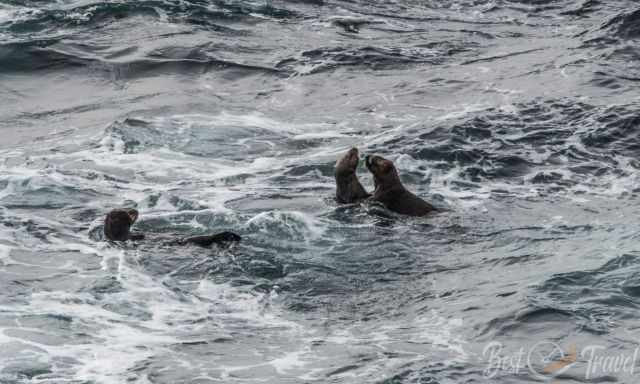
(519, 118)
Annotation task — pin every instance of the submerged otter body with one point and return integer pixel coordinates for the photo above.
(207, 240)
(390, 191)
(117, 227)
(348, 187)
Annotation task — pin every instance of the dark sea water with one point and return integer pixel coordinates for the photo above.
(520, 118)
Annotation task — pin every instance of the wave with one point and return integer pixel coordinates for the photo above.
(625, 25)
(56, 55)
(595, 295)
(376, 58)
(210, 15)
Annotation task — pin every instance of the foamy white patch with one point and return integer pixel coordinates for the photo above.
(108, 254)
(620, 185)
(579, 199)
(388, 134)
(162, 169)
(465, 110)
(509, 108)
(414, 338)
(441, 332)
(318, 135)
(254, 119)
(6, 15)
(407, 163)
(120, 341)
(232, 303)
(290, 361)
(79, 17)
(217, 200)
(308, 68)
(295, 224)
(16, 177)
(118, 346)
(14, 14)
(113, 142)
(5, 251)
(341, 336)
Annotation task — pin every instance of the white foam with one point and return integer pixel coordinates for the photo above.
(296, 224)
(106, 361)
(254, 119)
(458, 112)
(237, 304)
(319, 135)
(119, 341)
(5, 251)
(6, 15)
(13, 14)
(161, 169)
(289, 361)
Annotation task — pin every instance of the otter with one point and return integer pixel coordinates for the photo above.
(390, 191)
(348, 187)
(117, 227)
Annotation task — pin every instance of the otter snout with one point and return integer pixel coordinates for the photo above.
(348, 163)
(370, 161)
(133, 214)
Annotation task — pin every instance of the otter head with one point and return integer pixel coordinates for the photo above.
(348, 163)
(118, 223)
(384, 172)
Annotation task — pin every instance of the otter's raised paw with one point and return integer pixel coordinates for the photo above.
(348, 187)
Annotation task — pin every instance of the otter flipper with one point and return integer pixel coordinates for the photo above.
(208, 240)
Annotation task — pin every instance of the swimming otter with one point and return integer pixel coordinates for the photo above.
(117, 224)
(348, 187)
(390, 191)
(117, 227)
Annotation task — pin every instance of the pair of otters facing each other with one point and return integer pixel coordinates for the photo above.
(388, 188)
(117, 227)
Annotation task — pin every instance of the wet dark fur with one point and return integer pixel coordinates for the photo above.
(208, 240)
(117, 224)
(348, 187)
(390, 191)
(117, 227)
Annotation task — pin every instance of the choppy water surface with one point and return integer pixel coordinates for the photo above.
(519, 117)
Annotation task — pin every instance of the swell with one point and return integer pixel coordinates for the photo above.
(127, 62)
(371, 57)
(584, 300)
(625, 26)
(211, 15)
(508, 12)
(595, 295)
(56, 55)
